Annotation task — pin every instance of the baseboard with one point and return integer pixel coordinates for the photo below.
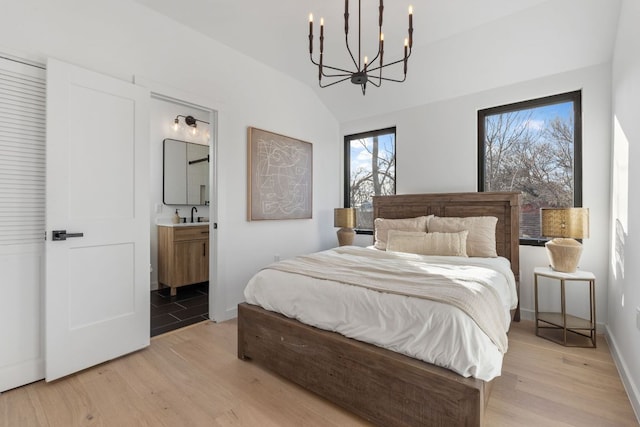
(527, 314)
(230, 313)
(21, 373)
(630, 386)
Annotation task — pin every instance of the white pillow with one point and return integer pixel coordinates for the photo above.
(481, 241)
(383, 225)
(449, 244)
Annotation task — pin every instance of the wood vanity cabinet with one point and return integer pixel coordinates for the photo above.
(183, 255)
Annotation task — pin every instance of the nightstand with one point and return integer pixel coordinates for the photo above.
(563, 322)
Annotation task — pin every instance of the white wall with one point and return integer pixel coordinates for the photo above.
(624, 273)
(124, 39)
(436, 151)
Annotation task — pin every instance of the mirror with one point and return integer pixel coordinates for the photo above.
(185, 173)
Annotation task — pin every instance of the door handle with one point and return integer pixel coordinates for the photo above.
(62, 235)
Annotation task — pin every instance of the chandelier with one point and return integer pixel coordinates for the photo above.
(365, 71)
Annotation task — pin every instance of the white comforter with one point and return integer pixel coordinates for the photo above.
(427, 330)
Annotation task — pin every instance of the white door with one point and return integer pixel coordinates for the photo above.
(97, 284)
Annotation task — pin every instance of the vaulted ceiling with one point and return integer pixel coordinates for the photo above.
(460, 46)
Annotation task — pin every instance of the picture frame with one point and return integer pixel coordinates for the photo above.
(280, 176)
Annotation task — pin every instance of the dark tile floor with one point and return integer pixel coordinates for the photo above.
(189, 306)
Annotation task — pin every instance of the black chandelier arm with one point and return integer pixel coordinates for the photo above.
(333, 83)
(341, 70)
(347, 74)
(336, 69)
(388, 79)
(380, 41)
(346, 42)
(379, 67)
(329, 66)
(375, 58)
(374, 83)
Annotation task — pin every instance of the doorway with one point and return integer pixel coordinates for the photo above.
(190, 303)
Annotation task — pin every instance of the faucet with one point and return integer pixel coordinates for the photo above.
(193, 209)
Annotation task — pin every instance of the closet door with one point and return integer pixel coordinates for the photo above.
(22, 215)
(97, 273)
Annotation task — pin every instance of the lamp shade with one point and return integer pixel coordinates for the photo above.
(565, 222)
(344, 217)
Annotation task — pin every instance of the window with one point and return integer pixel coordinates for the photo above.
(369, 170)
(533, 147)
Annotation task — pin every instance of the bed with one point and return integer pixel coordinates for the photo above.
(383, 386)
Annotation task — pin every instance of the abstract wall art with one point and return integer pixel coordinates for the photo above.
(280, 176)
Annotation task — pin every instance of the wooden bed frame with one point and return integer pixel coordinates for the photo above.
(381, 386)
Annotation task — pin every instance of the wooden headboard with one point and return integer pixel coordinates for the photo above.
(504, 206)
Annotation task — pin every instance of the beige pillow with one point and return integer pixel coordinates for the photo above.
(415, 242)
(481, 241)
(382, 227)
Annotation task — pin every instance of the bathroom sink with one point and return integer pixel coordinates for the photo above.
(189, 224)
(182, 224)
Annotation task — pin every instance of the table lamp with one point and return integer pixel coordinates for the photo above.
(564, 225)
(345, 218)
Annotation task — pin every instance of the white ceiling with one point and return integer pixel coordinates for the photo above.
(460, 46)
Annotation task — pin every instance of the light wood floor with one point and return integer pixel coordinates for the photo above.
(192, 378)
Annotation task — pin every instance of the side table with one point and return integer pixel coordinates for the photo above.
(563, 321)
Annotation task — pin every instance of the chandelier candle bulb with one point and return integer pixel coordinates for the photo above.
(406, 46)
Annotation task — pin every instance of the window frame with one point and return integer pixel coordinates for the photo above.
(347, 164)
(576, 98)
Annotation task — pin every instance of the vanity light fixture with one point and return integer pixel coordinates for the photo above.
(190, 121)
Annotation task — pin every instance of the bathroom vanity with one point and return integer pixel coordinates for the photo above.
(183, 254)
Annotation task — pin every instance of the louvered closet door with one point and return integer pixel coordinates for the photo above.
(22, 222)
